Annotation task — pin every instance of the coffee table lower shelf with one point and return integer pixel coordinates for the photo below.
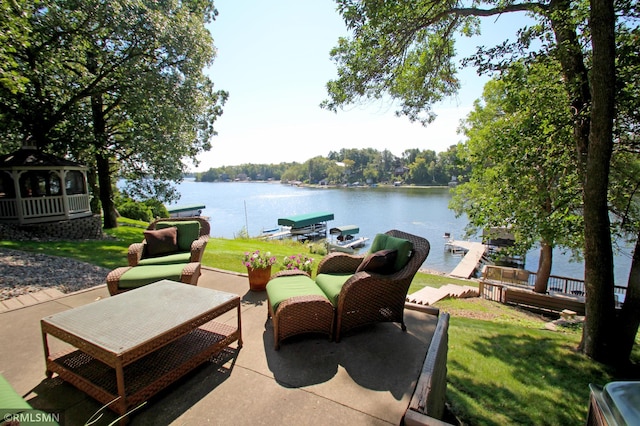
(147, 375)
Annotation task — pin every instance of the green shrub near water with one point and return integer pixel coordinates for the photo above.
(135, 210)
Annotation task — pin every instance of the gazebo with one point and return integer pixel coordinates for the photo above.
(36, 188)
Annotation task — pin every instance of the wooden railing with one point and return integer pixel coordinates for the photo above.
(78, 203)
(38, 209)
(575, 287)
(42, 206)
(8, 209)
(497, 276)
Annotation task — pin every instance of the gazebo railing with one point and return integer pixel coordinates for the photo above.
(78, 203)
(42, 206)
(8, 208)
(43, 209)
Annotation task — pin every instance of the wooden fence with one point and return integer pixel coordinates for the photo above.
(495, 278)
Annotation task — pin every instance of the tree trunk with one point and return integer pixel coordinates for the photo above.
(94, 204)
(598, 328)
(628, 319)
(106, 192)
(102, 163)
(544, 268)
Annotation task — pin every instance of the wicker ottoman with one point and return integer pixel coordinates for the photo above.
(297, 306)
(129, 277)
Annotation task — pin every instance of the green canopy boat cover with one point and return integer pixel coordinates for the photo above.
(344, 230)
(179, 209)
(303, 220)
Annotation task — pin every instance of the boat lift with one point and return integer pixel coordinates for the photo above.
(344, 239)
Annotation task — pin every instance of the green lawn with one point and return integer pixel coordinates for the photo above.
(504, 366)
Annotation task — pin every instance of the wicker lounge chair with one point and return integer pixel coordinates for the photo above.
(190, 248)
(363, 297)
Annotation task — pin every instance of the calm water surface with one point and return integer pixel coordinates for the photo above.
(257, 206)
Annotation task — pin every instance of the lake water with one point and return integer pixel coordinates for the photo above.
(257, 206)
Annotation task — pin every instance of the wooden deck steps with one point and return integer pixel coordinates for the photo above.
(430, 295)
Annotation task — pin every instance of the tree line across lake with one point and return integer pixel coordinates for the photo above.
(348, 166)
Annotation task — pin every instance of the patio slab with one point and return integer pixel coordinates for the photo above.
(367, 378)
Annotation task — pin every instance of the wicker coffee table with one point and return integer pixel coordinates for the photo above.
(129, 347)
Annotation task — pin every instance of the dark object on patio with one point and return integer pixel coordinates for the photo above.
(129, 277)
(366, 297)
(192, 234)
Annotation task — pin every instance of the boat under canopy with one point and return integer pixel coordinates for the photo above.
(186, 211)
(345, 240)
(344, 230)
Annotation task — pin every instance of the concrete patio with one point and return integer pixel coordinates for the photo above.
(367, 378)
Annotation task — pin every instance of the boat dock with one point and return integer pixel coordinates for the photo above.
(276, 234)
(469, 263)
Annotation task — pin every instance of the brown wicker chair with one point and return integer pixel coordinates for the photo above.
(367, 298)
(137, 251)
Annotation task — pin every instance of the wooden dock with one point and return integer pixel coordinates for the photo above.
(469, 262)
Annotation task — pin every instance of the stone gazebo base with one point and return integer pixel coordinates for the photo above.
(72, 229)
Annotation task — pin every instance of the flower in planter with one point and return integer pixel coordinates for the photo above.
(298, 262)
(258, 260)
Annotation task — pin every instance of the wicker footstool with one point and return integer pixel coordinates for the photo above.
(129, 277)
(297, 306)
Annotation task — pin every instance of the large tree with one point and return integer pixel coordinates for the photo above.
(118, 85)
(405, 49)
(524, 178)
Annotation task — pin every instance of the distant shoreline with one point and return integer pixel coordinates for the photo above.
(315, 185)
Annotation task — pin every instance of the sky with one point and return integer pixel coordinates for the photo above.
(273, 59)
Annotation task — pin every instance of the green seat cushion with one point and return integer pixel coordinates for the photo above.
(331, 285)
(139, 276)
(188, 232)
(283, 288)
(10, 399)
(387, 242)
(167, 260)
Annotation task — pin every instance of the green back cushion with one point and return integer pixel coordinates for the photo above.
(331, 284)
(182, 257)
(387, 242)
(139, 276)
(283, 288)
(188, 232)
(10, 399)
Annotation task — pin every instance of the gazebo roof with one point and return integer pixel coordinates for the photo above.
(31, 157)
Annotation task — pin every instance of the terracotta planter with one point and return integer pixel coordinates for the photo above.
(258, 278)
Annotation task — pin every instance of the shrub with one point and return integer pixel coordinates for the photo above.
(157, 208)
(136, 211)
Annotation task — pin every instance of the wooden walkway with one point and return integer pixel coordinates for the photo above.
(469, 262)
